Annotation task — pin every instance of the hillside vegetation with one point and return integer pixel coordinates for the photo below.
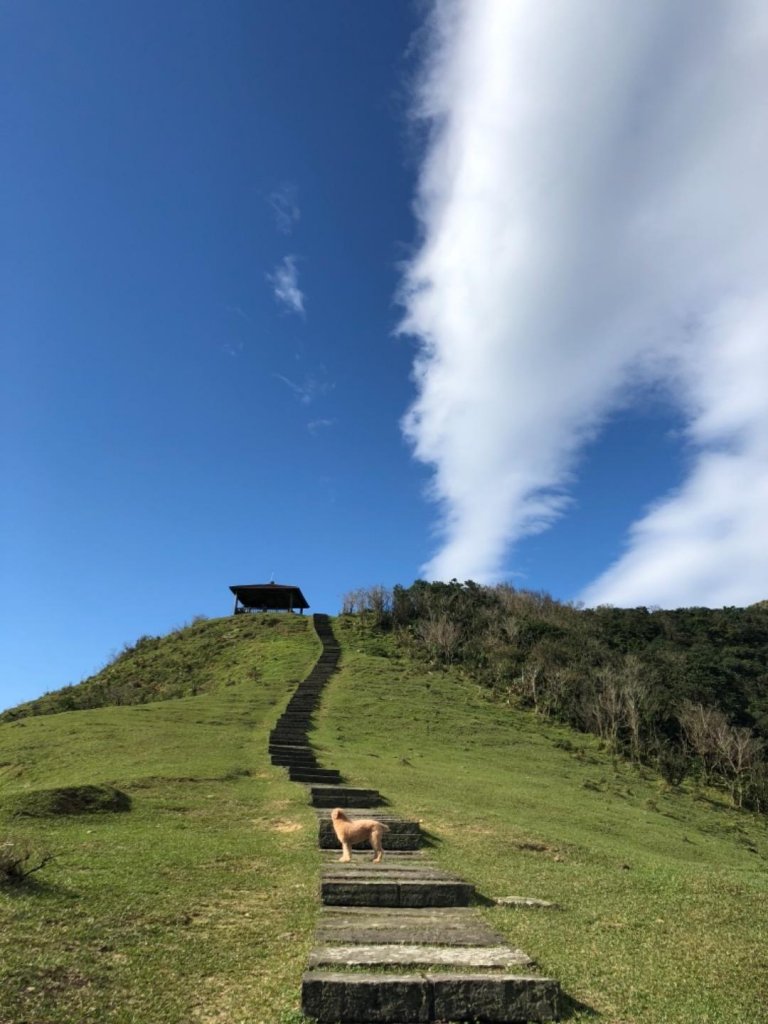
(198, 903)
(663, 889)
(685, 691)
(199, 658)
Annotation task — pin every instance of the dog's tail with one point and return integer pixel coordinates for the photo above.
(386, 828)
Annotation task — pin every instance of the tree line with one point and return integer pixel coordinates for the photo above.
(685, 690)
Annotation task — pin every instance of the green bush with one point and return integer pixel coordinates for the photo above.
(47, 803)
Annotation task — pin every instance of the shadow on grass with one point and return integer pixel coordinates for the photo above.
(569, 1007)
(37, 888)
(429, 839)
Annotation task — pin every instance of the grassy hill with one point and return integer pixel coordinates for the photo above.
(204, 656)
(199, 903)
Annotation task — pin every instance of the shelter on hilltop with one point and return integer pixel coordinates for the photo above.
(268, 597)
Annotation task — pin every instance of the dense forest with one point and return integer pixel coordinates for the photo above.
(685, 690)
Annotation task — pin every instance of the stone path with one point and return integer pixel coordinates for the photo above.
(397, 942)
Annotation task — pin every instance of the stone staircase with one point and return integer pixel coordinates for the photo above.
(398, 942)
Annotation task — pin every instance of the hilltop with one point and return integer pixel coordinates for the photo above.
(202, 657)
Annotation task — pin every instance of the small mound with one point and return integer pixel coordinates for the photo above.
(48, 803)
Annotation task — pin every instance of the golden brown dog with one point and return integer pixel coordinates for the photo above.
(353, 831)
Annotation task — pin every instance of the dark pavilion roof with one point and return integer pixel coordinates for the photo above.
(269, 595)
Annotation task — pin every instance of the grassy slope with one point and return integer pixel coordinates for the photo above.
(665, 896)
(195, 659)
(198, 904)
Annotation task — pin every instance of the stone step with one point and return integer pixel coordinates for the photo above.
(362, 856)
(281, 736)
(390, 841)
(436, 926)
(396, 866)
(421, 998)
(294, 761)
(501, 957)
(395, 824)
(300, 774)
(299, 749)
(344, 796)
(383, 891)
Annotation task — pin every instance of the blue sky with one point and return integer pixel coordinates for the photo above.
(242, 240)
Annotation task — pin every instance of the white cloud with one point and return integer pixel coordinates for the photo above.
(707, 544)
(314, 426)
(592, 211)
(285, 208)
(285, 284)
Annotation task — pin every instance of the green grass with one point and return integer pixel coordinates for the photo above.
(664, 893)
(198, 658)
(199, 903)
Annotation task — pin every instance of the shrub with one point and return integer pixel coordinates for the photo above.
(46, 803)
(673, 764)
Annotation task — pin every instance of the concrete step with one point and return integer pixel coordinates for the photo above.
(344, 796)
(298, 773)
(436, 926)
(392, 840)
(397, 826)
(380, 955)
(421, 998)
(294, 761)
(395, 883)
(284, 736)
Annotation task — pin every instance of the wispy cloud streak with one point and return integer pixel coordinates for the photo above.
(310, 388)
(285, 285)
(285, 208)
(591, 210)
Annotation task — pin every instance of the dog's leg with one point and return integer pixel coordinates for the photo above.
(346, 856)
(378, 850)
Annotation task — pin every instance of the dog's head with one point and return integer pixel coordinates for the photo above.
(338, 815)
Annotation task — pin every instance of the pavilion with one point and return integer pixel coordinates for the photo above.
(268, 597)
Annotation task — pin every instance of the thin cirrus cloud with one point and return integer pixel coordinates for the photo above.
(591, 213)
(308, 389)
(285, 208)
(315, 426)
(285, 285)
